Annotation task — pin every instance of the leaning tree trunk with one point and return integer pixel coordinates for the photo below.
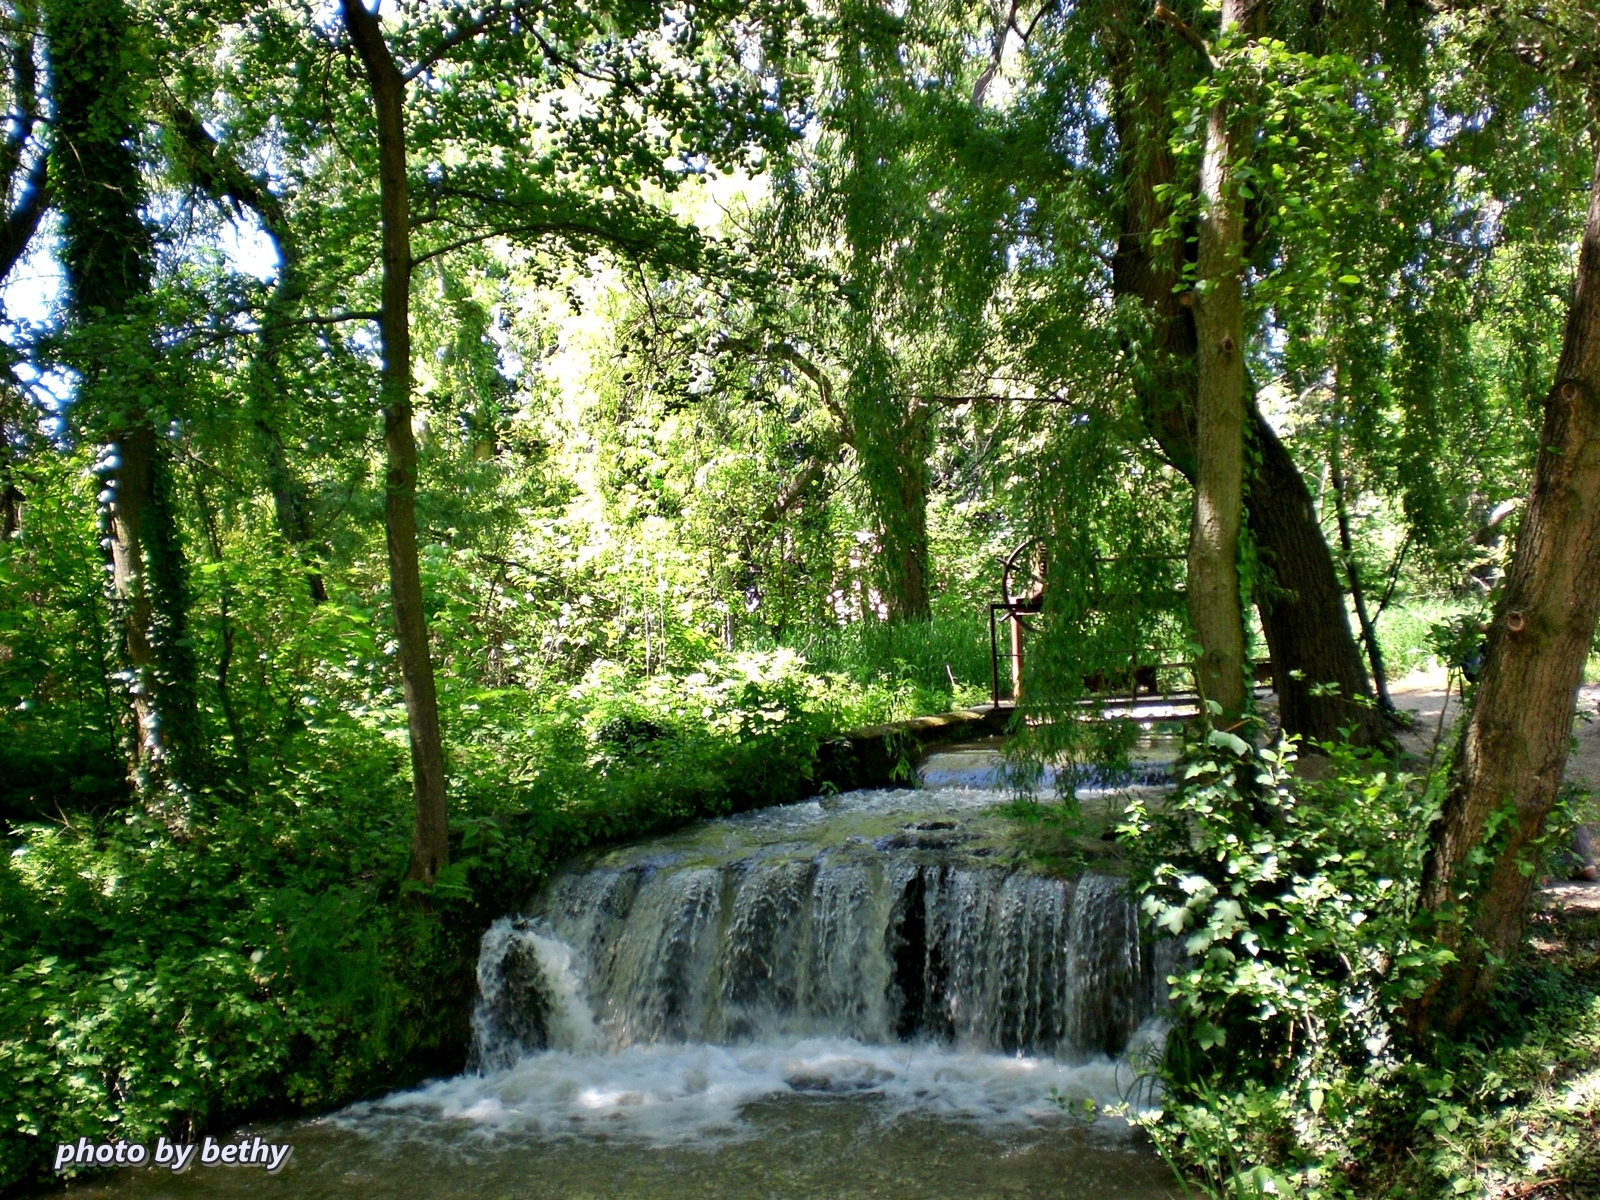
(1483, 852)
(1302, 607)
(1299, 596)
(430, 829)
(1358, 595)
(1215, 611)
(109, 261)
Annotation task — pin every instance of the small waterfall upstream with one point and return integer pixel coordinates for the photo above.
(869, 996)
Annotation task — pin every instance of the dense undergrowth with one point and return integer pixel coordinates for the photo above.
(265, 956)
(1288, 1071)
(261, 954)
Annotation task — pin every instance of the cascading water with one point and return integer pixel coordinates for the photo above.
(871, 942)
(867, 995)
(883, 941)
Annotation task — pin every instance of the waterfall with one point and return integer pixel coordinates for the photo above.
(837, 919)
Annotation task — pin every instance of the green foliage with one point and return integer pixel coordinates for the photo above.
(1407, 632)
(1287, 1071)
(917, 668)
(273, 962)
(715, 465)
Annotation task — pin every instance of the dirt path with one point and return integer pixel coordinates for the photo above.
(1423, 695)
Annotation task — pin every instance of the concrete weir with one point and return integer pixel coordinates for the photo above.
(885, 755)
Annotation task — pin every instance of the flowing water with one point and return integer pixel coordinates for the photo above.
(862, 995)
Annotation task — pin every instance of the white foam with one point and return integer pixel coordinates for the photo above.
(672, 1093)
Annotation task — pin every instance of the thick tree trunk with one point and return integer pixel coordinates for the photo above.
(430, 830)
(130, 489)
(149, 586)
(108, 258)
(1483, 853)
(1215, 612)
(1300, 600)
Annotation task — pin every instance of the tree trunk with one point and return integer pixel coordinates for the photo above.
(908, 570)
(11, 497)
(891, 443)
(1483, 852)
(430, 830)
(291, 505)
(1302, 607)
(108, 258)
(1358, 596)
(1302, 612)
(1213, 578)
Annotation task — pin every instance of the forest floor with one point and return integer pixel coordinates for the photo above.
(1423, 695)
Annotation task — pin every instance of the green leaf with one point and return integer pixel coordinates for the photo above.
(1221, 737)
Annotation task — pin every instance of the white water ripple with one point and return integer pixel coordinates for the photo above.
(667, 1094)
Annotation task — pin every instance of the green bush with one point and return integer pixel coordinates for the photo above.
(905, 669)
(1285, 1072)
(1405, 632)
(268, 958)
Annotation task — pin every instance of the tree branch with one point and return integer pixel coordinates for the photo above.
(1394, 576)
(981, 88)
(22, 222)
(1188, 33)
(464, 34)
(337, 318)
(790, 496)
(218, 173)
(806, 367)
(988, 398)
(538, 229)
